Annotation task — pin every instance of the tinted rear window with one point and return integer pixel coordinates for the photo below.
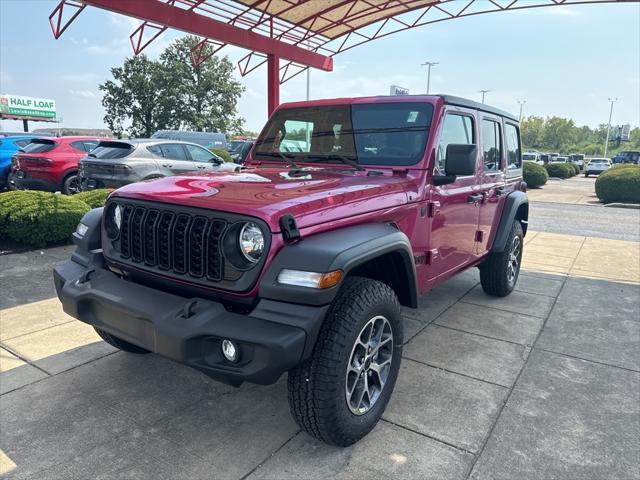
(40, 146)
(107, 150)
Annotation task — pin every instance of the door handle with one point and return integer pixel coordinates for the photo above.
(475, 198)
(202, 167)
(500, 191)
(168, 165)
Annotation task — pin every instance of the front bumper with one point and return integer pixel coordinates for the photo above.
(273, 338)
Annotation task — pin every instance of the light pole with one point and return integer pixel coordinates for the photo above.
(429, 65)
(606, 143)
(521, 103)
(483, 92)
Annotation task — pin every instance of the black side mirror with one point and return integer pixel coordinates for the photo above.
(215, 161)
(461, 160)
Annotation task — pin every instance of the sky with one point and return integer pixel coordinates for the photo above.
(565, 61)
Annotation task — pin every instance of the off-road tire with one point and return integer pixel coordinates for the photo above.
(68, 182)
(119, 343)
(316, 388)
(494, 276)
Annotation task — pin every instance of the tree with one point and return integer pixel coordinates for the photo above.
(138, 93)
(172, 93)
(206, 94)
(532, 132)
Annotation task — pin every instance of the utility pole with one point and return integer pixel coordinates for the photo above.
(521, 102)
(606, 143)
(483, 92)
(429, 65)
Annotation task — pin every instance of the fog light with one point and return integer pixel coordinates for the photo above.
(229, 350)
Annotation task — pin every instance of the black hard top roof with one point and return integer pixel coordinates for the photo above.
(465, 102)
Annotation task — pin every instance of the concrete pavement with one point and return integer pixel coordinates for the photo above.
(541, 384)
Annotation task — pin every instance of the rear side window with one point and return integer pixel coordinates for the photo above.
(110, 150)
(491, 145)
(512, 144)
(21, 143)
(173, 151)
(456, 130)
(40, 146)
(78, 146)
(89, 145)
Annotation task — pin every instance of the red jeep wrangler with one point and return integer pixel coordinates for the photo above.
(348, 209)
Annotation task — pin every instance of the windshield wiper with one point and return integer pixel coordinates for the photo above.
(336, 156)
(289, 160)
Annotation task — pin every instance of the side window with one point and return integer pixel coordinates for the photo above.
(88, 146)
(491, 145)
(22, 143)
(512, 144)
(78, 146)
(199, 154)
(456, 129)
(173, 151)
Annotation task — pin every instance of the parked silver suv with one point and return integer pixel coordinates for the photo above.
(115, 163)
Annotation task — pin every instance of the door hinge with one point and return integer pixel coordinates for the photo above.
(432, 255)
(433, 208)
(479, 235)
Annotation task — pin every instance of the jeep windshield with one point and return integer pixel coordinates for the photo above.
(393, 134)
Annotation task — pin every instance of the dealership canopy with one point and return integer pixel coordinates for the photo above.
(303, 33)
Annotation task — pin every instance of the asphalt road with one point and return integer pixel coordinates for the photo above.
(585, 220)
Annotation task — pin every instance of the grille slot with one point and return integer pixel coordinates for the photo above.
(196, 246)
(150, 235)
(214, 256)
(136, 234)
(164, 240)
(180, 243)
(125, 230)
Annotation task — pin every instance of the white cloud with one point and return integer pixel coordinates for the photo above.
(79, 77)
(82, 93)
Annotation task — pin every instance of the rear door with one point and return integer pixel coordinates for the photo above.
(175, 158)
(454, 207)
(493, 177)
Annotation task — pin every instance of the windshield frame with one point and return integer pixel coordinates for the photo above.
(347, 111)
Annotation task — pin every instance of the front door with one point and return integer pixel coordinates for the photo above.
(175, 158)
(454, 208)
(202, 158)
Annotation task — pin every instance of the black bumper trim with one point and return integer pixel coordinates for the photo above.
(273, 338)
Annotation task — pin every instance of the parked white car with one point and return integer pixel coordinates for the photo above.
(596, 166)
(532, 157)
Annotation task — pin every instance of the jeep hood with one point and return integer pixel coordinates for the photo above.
(312, 196)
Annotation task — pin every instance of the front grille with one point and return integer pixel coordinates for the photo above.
(179, 243)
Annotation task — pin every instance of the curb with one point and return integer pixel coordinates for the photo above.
(634, 206)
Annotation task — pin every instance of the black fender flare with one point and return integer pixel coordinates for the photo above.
(515, 202)
(344, 249)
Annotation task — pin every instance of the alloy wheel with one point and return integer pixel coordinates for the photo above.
(369, 365)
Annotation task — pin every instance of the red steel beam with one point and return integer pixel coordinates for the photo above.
(166, 15)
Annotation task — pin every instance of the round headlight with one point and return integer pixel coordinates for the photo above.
(251, 242)
(113, 221)
(117, 216)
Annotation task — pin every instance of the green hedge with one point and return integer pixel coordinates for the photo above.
(94, 198)
(619, 184)
(39, 218)
(222, 154)
(535, 175)
(576, 168)
(560, 170)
